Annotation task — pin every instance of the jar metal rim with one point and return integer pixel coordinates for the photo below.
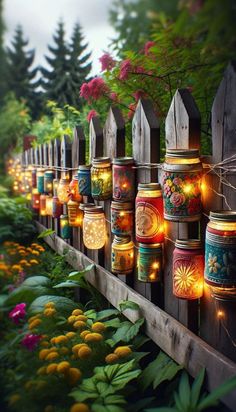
(149, 186)
(186, 153)
(223, 215)
(188, 243)
(100, 160)
(82, 206)
(150, 245)
(84, 167)
(122, 240)
(122, 205)
(94, 209)
(123, 161)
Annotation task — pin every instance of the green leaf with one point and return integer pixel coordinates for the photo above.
(161, 369)
(63, 305)
(218, 393)
(91, 314)
(117, 375)
(67, 284)
(112, 323)
(127, 331)
(196, 388)
(134, 330)
(79, 274)
(128, 304)
(107, 313)
(35, 281)
(184, 391)
(45, 233)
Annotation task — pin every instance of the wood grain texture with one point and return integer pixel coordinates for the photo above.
(96, 142)
(223, 147)
(57, 162)
(146, 149)
(183, 122)
(177, 341)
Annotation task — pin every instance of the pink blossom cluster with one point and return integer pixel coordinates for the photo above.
(91, 114)
(18, 313)
(107, 62)
(30, 341)
(148, 46)
(94, 89)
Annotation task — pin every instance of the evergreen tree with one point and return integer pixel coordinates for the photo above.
(21, 78)
(80, 66)
(68, 68)
(2, 58)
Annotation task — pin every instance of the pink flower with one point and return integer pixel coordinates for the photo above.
(107, 62)
(1, 256)
(30, 341)
(85, 91)
(94, 89)
(177, 181)
(139, 94)
(125, 68)
(148, 46)
(177, 199)
(18, 313)
(91, 114)
(114, 96)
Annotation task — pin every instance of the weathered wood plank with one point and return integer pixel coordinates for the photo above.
(57, 163)
(146, 149)
(50, 151)
(96, 141)
(66, 159)
(171, 336)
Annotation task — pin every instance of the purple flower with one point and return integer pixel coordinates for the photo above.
(30, 341)
(18, 313)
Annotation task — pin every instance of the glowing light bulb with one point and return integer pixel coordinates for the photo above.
(155, 265)
(220, 314)
(187, 188)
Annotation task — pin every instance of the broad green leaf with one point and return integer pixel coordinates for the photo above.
(26, 294)
(91, 314)
(107, 313)
(196, 388)
(121, 333)
(218, 393)
(67, 284)
(161, 369)
(112, 323)
(117, 375)
(45, 233)
(134, 330)
(184, 391)
(63, 305)
(128, 304)
(37, 281)
(79, 274)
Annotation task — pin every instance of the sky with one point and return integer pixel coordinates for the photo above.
(39, 19)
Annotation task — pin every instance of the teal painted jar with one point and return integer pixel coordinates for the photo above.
(84, 180)
(149, 262)
(65, 228)
(40, 180)
(220, 254)
(48, 181)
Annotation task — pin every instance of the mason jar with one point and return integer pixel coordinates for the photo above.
(149, 262)
(181, 180)
(63, 190)
(123, 179)
(75, 214)
(65, 227)
(74, 189)
(122, 218)
(40, 180)
(122, 255)
(188, 269)
(149, 213)
(48, 181)
(84, 180)
(101, 178)
(94, 227)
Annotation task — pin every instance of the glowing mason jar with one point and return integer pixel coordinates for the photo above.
(149, 213)
(101, 178)
(75, 214)
(188, 269)
(35, 199)
(40, 180)
(74, 190)
(42, 205)
(94, 227)
(122, 255)
(149, 262)
(56, 207)
(49, 205)
(34, 178)
(84, 179)
(220, 254)
(122, 218)
(181, 180)
(48, 181)
(123, 179)
(65, 227)
(55, 185)
(63, 190)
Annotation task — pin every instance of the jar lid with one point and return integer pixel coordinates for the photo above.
(100, 160)
(122, 205)
(40, 170)
(223, 215)
(149, 186)
(185, 153)
(150, 245)
(64, 217)
(123, 160)
(75, 177)
(121, 240)
(93, 209)
(188, 244)
(49, 172)
(82, 206)
(56, 180)
(84, 167)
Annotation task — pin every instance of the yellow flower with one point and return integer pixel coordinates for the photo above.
(74, 375)
(41, 248)
(61, 339)
(79, 407)
(35, 252)
(77, 312)
(49, 408)
(22, 252)
(75, 348)
(27, 264)
(98, 327)
(29, 249)
(111, 358)
(63, 367)
(44, 343)
(84, 352)
(43, 353)
(52, 368)
(33, 318)
(49, 312)
(34, 324)
(172, 189)
(42, 370)
(79, 324)
(64, 350)
(23, 261)
(16, 267)
(34, 262)
(82, 318)
(52, 356)
(49, 305)
(53, 349)
(84, 333)
(93, 337)
(71, 319)
(29, 384)
(14, 399)
(169, 182)
(70, 334)
(52, 340)
(122, 351)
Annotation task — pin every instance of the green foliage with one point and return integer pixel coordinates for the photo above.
(29, 290)
(63, 305)
(15, 220)
(128, 304)
(47, 232)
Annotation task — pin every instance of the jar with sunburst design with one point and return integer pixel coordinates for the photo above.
(188, 269)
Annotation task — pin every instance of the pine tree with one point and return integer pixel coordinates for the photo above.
(2, 58)
(68, 68)
(21, 78)
(80, 66)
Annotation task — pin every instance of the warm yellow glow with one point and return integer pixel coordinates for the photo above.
(94, 231)
(187, 282)
(104, 176)
(203, 187)
(224, 226)
(124, 185)
(122, 214)
(132, 254)
(152, 276)
(187, 188)
(220, 314)
(155, 265)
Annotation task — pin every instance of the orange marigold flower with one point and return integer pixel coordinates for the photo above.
(77, 312)
(79, 407)
(49, 312)
(84, 352)
(75, 348)
(61, 339)
(35, 252)
(52, 356)
(98, 327)
(71, 319)
(81, 317)
(122, 351)
(34, 262)
(70, 334)
(63, 367)
(111, 358)
(74, 375)
(34, 323)
(52, 368)
(84, 333)
(43, 353)
(79, 324)
(49, 305)
(93, 337)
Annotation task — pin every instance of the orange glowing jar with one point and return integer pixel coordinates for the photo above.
(74, 190)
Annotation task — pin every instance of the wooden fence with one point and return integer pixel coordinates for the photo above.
(189, 331)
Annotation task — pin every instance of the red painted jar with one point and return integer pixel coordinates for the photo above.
(188, 269)
(149, 213)
(123, 179)
(56, 207)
